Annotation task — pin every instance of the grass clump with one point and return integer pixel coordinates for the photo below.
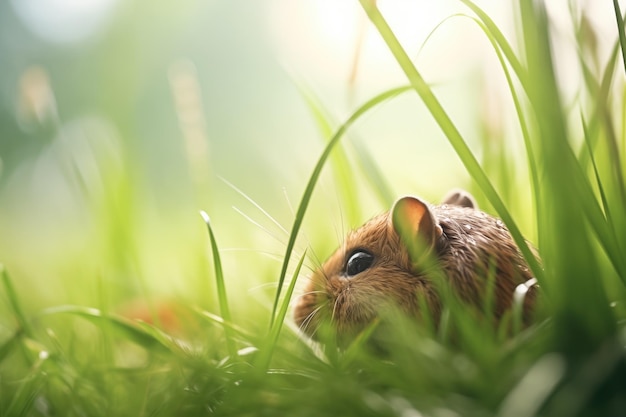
(78, 360)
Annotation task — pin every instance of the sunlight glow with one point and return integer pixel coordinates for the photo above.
(323, 37)
(64, 21)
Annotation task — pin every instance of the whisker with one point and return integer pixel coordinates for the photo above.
(317, 263)
(309, 319)
(272, 255)
(259, 225)
(308, 293)
(255, 204)
(336, 305)
(289, 205)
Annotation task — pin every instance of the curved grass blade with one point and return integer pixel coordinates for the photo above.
(9, 345)
(340, 163)
(505, 54)
(372, 172)
(30, 387)
(450, 130)
(596, 172)
(214, 318)
(534, 388)
(221, 287)
(603, 228)
(147, 339)
(367, 164)
(15, 304)
(498, 48)
(600, 92)
(343, 173)
(501, 41)
(568, 200)
(620, 29)
(306, 197)
(592, 210)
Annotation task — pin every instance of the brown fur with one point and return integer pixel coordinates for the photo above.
(471, 242)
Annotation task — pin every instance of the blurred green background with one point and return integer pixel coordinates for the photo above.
(119, 120)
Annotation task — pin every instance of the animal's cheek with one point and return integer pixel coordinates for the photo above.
(304, 307)
(337, 284)
(391, 284)
(310, 297)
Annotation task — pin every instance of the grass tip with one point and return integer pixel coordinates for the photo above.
(205, 217)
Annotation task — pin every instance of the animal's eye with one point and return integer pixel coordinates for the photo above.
(358, 262)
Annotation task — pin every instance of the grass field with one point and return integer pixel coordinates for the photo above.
(130, 287)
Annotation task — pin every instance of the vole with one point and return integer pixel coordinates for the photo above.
(388, 260)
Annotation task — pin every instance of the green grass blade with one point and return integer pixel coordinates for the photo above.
(601, 96)
(604, 230)
(215, 319)
(505, 54)
(568, 203)
(603, 197)
(270, 345)
(150, 339)
(498, 48)
(308, 192)
(496, 34)
(221, 287)
(372, 172)
(620, 29)
(339, 159)
(9, 345)
(601, 114)
(450, 130)
(22, 402)
(340, 162)
(15, 304)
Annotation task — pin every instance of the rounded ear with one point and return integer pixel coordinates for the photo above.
(417, 227)
(460, 198)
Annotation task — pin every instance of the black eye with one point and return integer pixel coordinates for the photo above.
(358, 262)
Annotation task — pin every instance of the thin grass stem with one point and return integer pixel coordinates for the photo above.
(620, 29)
(450, 130)
(308, 192)
(15, 303)
(221, 287)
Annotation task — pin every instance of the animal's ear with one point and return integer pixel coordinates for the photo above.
(460, 198)
(416, 225)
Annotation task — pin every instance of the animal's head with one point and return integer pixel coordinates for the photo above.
(379, 264)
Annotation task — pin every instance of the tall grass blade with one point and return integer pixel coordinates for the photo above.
(603, 197)
(499, 45)
(601, 92)
(620, 29)
(15, 304)
(22, 402)
(308, 192)
(144, 335)
(340, 162)
(496, 34)
(450, 130)
(567, 197)
(339, 159)
(372, 172)
(214, 318)
(9, 345)
(221, 287)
